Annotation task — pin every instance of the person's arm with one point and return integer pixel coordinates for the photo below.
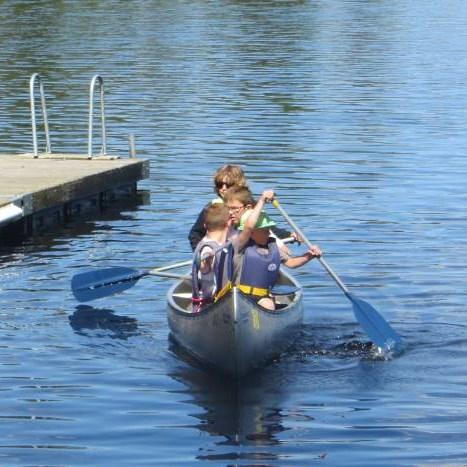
(297, 261)
(245, 234)
(207, 257)
(198, 231)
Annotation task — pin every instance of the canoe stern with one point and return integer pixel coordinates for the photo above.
(234, 335)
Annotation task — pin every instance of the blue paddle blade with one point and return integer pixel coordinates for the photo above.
(91, 285)
(377, 328)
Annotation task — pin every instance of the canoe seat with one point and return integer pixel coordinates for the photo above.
(182, 294)
(183, 300)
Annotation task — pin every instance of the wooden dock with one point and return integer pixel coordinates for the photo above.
(39, 193)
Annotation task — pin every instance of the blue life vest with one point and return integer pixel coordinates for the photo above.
(258, 269)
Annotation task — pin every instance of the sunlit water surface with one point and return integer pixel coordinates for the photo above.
(356, 113)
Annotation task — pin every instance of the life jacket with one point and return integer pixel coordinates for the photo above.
(259, 271)
(224, 271)
(206, 284)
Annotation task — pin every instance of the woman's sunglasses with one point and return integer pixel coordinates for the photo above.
(221, 185)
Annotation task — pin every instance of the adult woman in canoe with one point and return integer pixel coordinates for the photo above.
(224, 178)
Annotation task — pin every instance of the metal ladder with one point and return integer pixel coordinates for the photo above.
(32, 84)
(98, 79)
(36, 77)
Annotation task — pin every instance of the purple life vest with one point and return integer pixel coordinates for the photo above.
(259, 269)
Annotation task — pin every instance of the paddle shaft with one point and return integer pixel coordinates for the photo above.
(171, 266)
(155, 272)
(309, 245)
(162, 270)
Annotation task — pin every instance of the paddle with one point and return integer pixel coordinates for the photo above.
(91, 285)
(377, 328)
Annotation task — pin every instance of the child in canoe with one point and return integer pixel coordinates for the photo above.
(239, 200)
(209, 255)
(257, 262)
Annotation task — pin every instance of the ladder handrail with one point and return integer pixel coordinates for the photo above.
(32, 81)
(91, 112)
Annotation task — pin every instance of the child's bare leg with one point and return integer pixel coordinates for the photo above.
(268, 303)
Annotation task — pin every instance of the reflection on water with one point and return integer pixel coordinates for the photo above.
(242, 413)
(87, 318)
(84, 224)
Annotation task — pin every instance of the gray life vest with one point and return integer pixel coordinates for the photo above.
(206, 284)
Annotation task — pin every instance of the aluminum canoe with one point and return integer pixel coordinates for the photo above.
(234, 335)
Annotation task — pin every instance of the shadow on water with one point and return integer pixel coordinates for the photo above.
(338, 342)
(87, 318)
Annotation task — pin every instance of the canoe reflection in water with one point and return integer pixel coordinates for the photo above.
(245, 412)
(87, 318)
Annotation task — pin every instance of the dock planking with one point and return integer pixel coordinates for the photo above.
(37, 193)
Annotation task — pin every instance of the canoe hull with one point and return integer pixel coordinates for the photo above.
(234, 335)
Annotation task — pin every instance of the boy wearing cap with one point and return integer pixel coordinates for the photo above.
(256, 263)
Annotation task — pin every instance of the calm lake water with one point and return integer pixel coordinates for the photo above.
(356, 113)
